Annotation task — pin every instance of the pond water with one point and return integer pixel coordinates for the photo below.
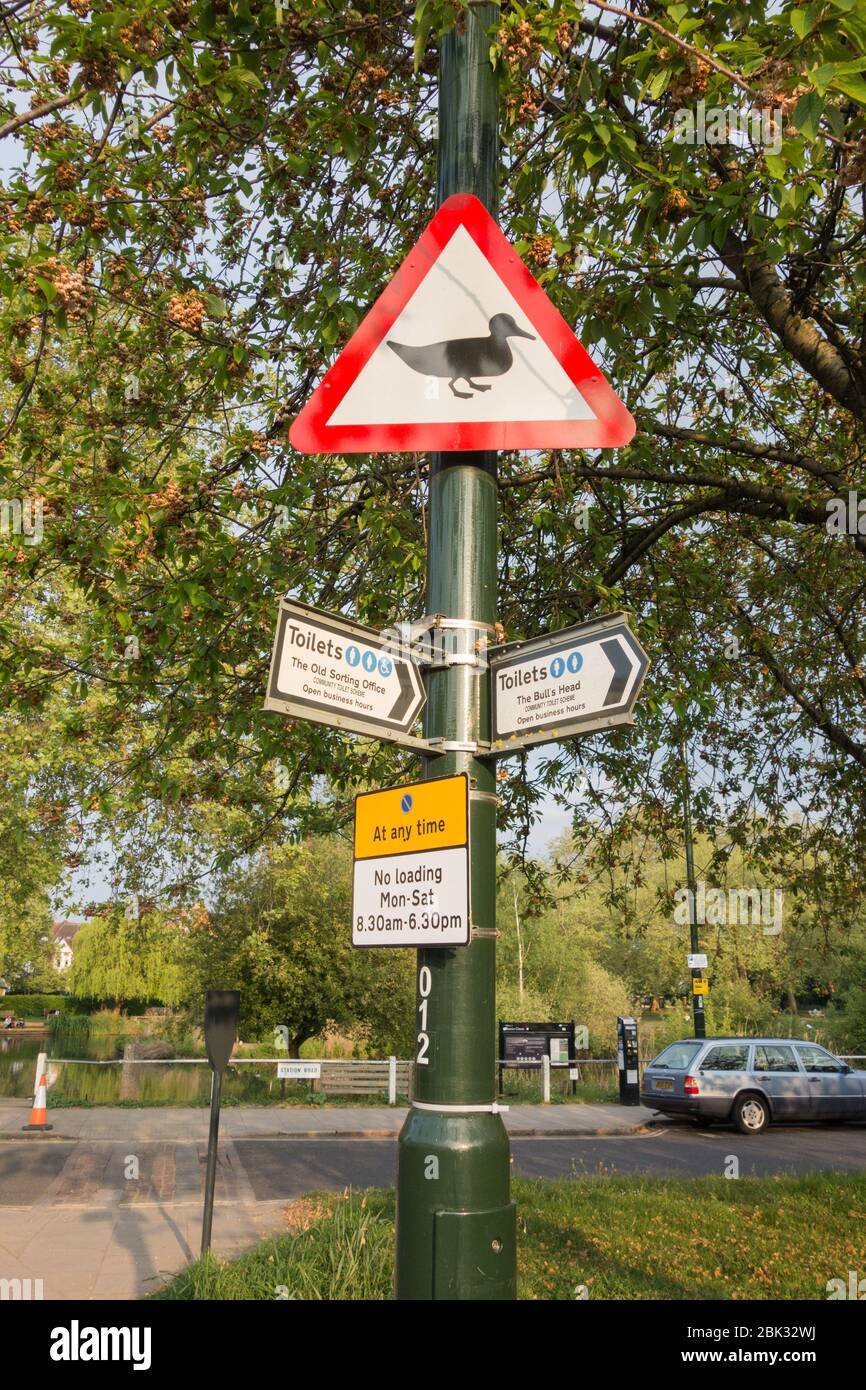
(153, 1083)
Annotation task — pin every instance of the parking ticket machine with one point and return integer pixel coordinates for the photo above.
(627, 1061)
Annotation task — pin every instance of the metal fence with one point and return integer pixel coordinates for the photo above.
(391, 1076)
(348, 1076)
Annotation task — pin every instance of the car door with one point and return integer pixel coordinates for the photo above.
(723, 1073)
(831, 1096)
(780, 1076)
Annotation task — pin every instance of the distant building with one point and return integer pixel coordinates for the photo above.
(63, 934)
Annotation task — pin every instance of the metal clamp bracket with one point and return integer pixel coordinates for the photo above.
(494, 1109)
(452, 659)
(439, 620)
(450, 745)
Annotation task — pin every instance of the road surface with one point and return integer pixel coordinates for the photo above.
(92, 1173)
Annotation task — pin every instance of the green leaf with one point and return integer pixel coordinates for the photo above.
(807, 114)
(46, 287)
(422, 29)
(216, 306)
(667, 302)
(351, 146)
(853, 87)
(702, 234)
(658, 82)
(246, 78)
(803, 21)
(823, 76)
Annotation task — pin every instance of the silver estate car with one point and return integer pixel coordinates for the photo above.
(751, 1081)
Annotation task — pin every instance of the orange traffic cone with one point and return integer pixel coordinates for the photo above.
(39, 1113)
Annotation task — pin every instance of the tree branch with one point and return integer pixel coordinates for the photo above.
(806, 345)
(25, 117)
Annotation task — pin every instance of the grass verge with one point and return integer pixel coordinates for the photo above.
(630, 1238)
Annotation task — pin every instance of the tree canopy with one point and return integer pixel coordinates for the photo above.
(200, 201)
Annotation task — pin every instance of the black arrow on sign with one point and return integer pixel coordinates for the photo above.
(621, 662)
(407, 691)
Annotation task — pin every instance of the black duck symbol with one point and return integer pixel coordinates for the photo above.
(461, 359)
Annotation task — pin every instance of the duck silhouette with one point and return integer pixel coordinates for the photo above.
(461, 359)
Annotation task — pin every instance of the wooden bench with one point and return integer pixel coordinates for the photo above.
(362, 1078)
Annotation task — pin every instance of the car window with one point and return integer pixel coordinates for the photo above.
(815, 1059)
(678, 1057)
(727, 1057)
(774, 1058)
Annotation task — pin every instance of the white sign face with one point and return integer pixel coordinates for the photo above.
(336, 672)
(299, 1071)
(559, 1049)
(697, 962)
(411, 875)
(412, 899)
(581, 1036)
(457, 300)
(573, 682)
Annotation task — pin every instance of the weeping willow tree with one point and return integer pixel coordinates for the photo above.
(119, 959)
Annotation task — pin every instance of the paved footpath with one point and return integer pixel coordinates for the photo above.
(108, 1204)
(301, 1121)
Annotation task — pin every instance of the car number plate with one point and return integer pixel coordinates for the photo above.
(664, 1085)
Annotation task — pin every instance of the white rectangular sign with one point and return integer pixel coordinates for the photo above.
(299, 1071)
(697, 962)
(412, 899)
(571, 682)
(333, 671)
(411, 877)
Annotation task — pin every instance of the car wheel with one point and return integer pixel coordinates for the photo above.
(750, 1114)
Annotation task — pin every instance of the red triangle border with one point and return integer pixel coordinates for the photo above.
(613, 427)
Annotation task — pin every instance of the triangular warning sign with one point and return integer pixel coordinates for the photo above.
(463, 350)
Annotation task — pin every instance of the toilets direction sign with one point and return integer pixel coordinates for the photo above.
(575, 681)
(332, 671)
